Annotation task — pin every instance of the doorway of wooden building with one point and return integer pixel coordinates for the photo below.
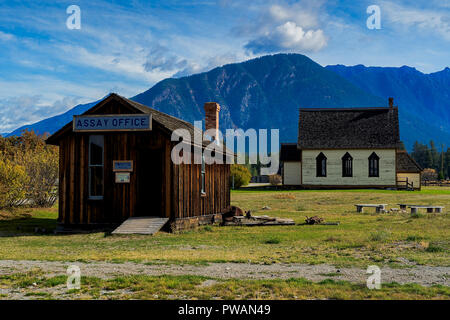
(149, 169)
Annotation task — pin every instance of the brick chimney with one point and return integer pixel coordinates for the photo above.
(391, 102)
(212, 117)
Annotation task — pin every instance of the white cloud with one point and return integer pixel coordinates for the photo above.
(288, 37)
(284, 27)
(295, 13)
(21, 110)
(424, 20)
(6, 36)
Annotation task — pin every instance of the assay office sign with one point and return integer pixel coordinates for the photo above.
(119, 122)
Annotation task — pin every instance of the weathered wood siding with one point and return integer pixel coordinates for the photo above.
(187, 199)
(292, 173)
(180, 184)
(119, 200)
(387, 176)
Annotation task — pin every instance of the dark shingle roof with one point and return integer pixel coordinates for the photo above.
(169, 122)
(290, 152)
(406, 164)
(348, 128)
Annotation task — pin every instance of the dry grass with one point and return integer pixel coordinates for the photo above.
(359, 240)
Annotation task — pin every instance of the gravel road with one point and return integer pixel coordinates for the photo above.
(423, 275)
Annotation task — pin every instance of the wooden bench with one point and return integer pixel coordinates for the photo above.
(404, 205)
(378, 207)
(415, 209)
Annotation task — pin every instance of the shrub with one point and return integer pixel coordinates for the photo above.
(13, 180)
(40, 162)
(240, 174)
(275, 179)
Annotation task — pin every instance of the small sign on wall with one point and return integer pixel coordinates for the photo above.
(122, 177)
(123, 165)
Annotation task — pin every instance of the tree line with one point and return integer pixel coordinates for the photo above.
(431, 157)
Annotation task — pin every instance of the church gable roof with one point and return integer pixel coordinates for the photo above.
(348, 128)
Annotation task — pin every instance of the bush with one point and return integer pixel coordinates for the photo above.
(40, 164)
(240, 174)
(275, 179)
(13, 180)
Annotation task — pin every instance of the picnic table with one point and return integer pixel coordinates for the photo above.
(415, 209)
(378, 207)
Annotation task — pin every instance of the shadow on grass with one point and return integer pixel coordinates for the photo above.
(23, 226)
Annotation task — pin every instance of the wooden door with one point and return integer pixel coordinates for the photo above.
(149, 168)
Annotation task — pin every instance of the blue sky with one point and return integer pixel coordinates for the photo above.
(128, 46)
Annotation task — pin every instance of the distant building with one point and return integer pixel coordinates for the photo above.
(349, 148)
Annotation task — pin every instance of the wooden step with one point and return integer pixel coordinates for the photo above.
(141, 225)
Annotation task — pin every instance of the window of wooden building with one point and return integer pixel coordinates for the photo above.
(374, 165)
(321, 165)
(347, 165)
(203, 182)
(96, 161)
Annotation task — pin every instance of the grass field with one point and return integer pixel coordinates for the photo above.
(385, 239)
(358, 240)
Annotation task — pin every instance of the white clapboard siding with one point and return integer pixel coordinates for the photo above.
(360, 168)
(292, 173)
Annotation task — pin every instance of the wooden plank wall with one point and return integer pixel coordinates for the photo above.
(180, 185)
(119, 201)
(186, 189)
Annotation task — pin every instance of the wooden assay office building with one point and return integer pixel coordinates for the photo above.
(115, 163)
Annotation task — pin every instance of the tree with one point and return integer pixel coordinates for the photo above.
(13, 180)
(40, 163)
(447, 163)
(434, 156)
(240, 175)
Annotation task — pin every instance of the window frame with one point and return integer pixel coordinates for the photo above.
(321, 165)
(203, 177)
(372, 173)
(90, 166)
(347, 165)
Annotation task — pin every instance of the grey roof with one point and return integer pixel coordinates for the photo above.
(406, 164)
(348, 128)
(290, 152)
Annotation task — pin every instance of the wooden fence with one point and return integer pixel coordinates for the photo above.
(436, 183)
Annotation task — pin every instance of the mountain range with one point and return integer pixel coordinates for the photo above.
(267, 92)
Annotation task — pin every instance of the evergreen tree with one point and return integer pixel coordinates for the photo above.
(447, 163)
(434, 155)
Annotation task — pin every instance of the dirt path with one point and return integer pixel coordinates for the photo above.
(423, 275)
